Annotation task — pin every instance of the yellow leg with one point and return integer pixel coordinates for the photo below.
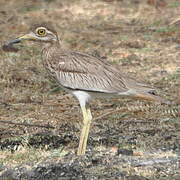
(89, 113)
(85, 130)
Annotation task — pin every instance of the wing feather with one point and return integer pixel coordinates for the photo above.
(80, 71)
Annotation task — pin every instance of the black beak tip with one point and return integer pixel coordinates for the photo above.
(14, 41)
(8, 47)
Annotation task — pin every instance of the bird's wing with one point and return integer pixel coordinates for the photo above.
(80, 71)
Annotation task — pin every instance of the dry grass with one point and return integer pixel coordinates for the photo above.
(134, 37)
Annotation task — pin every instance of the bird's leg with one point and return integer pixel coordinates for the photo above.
(85, 130)
(89, 113)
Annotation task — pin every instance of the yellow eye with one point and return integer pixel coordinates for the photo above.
(41, 32)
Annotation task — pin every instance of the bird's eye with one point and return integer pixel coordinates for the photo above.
(41, 32)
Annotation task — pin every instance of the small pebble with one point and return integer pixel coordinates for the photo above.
(125, 152)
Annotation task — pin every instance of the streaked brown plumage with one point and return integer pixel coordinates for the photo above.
(84, 75)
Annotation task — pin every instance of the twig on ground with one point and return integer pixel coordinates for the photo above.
(175, 22)
(107, 114)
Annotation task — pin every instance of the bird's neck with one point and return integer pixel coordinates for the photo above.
(50, 48)
(52, 44)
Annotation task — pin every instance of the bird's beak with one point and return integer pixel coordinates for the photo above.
(9, 45)
(21, 38)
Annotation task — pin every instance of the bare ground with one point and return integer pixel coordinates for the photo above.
(40, 124)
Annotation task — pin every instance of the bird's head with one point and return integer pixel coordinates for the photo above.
(43, 32)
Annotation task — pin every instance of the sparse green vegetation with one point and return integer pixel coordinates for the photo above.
(174, 4)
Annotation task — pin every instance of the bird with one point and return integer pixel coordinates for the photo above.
(83, 75)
